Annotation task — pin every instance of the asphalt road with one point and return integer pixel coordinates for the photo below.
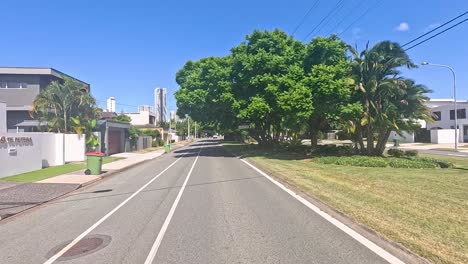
(196, 205)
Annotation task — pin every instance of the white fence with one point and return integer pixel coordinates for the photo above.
(441, 136)
(23, 152)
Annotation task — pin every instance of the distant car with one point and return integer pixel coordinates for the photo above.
(215, 136)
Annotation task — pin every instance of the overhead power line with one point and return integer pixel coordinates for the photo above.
(421, 42)
(427, 33)
(338, 4)
(346, 16)
(305, 17)
(361, 16)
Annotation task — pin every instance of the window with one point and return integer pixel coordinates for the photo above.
(461, 114)
(2, 84)
(13, 85)
(437, 116)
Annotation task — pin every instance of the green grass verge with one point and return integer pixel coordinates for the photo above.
(425, 210)
(45, 173)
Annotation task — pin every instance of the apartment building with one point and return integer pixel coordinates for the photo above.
(160, 104)
(19, 86)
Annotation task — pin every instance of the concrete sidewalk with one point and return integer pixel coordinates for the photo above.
(18, 197)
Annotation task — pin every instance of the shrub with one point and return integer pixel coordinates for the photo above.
(333, 150)
(381, 162)
(411, 153)
(396, 152)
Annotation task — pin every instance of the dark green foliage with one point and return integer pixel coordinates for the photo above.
(396, 152)
(366, 161)
(411, 153)
(332, 150)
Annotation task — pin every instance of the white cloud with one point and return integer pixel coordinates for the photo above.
(403, 27)
(431, 27)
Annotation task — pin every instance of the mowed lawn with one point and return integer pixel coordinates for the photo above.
(426, 210)
(45, 173)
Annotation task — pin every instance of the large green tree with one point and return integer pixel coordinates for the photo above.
(205, 92)
(388, 101)
(327, 67)
(267, 82)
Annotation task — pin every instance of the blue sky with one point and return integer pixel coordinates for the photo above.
(127, 48)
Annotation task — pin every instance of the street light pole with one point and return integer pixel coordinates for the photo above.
(454, 97)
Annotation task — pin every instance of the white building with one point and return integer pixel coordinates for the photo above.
(111, 105)
(173, 115)
(160, 104)
(3, 117)
(144, 118)
(443, 113)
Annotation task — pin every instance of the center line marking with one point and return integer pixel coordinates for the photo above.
(159, 238)
(85, 233)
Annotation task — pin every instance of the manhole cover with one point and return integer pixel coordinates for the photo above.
(86, 246)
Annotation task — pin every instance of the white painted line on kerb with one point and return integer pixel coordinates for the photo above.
(159, 238)
(456, 155)
(85, 233)
(364, 241)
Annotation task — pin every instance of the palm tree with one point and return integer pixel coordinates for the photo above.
(58, 102)
(389, 102)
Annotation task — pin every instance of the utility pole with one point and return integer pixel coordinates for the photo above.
(454, 97)
(188, 127)
(196, 130)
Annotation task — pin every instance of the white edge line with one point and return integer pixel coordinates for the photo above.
(85, 233)
(162, 232)
(364, 241)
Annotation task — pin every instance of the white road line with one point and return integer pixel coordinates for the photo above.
(456, 155)
(159, 238)
(364, 241)
(85, 233)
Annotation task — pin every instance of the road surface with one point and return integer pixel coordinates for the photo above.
(196, 205)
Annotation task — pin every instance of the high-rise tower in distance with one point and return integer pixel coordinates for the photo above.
(160, 104)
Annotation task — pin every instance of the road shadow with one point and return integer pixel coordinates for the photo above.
(214, 148)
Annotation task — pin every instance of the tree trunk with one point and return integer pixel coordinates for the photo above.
(359, 138)
(313, 138)
(65, 121)
(382, 142)
(370, 140)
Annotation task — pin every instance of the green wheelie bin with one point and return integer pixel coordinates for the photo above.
(94, 163)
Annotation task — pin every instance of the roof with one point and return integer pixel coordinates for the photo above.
(114, 124)
(37, 71)
(31, 123)
(108, 115)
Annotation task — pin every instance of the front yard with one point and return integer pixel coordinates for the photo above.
(39, 175)
(426, 210)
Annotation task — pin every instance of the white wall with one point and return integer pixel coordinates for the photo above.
(75, 147)
(441, 136)
(51, 149)
(46, 149)
(3, 118)
(141, 118)
(407, 137)
(19, 157)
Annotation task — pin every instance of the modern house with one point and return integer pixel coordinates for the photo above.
(145, 118)
(19, 86)
(443, 113)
